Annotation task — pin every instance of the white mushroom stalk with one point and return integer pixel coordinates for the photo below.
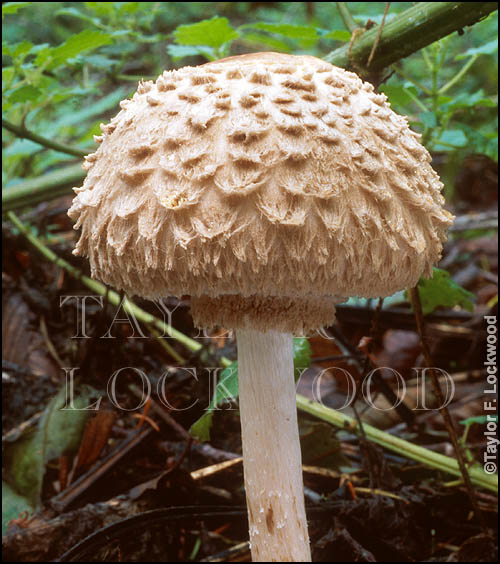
(268, 187)
(271, 447)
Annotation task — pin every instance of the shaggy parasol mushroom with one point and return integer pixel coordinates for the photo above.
(268, 187)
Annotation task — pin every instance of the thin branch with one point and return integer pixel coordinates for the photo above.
(24, 133)
(436, 386)
(346, 16)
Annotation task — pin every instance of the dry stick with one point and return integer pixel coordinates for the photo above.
(363, 441)
(377, 39)
(419, 317)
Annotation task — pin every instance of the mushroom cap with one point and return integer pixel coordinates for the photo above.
(267, 186)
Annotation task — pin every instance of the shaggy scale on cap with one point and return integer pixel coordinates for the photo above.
(267, 186)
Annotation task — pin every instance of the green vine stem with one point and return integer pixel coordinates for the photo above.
(395, 444)
(44, 188)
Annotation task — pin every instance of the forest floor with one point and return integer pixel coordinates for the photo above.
(365, 504)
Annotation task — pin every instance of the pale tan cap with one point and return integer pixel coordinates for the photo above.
(268, 187)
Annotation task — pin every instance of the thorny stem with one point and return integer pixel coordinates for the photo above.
(24, 133)
(409, 31)
(419, 318)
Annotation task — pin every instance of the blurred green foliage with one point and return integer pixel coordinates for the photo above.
(65, 66)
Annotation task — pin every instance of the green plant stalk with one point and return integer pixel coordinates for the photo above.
(346, 16)
(113, 297)
(34, 190)
(397, 445)
(24, 133)
(336, 418)
(459, 75)
(411, 30)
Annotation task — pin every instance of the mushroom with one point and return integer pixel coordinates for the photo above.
(269, 187)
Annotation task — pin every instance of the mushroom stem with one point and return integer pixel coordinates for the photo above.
(271, 447)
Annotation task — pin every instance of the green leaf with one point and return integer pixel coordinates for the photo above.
(74, 12)
(398, 94)
(479, 419)
(13, 7)
(102, 9)
(180, 51)
(12, 505)
(26, 93)
(85, 41)
(227, 387)
(442, 291)
(429, 119)
(453, 137)
(487, 49)
(268, 41)
(338, 35)
(214, 33)
(59, 432)
(466, 100)
(320, 446)
(291, 31)
(301, 355)
(8, 73)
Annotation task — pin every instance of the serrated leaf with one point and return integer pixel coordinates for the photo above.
(227, 387)
(13, 7)
(87, 40)
(213, 33)
(291, 31)
(12, 505)
(441, 290)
